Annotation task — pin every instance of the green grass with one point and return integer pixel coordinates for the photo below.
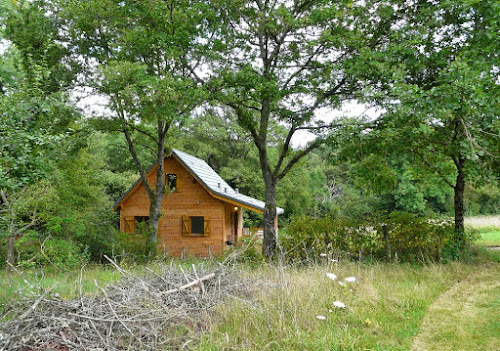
(466, 316)
(488, 228)
(384, 311)
(66, 284)
(489, 237)
(391, 307)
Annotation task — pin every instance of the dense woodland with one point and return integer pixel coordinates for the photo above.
(232, 82)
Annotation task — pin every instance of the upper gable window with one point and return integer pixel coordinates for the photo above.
(171, 180)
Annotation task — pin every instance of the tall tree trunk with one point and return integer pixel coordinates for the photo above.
(154, 220)
(157, 194)
(459, 200)
(155, 191)
(269, 244)
(10, 252)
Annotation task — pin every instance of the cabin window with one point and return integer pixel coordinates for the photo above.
(172, 182)
(196, 226)
(133, 223)
(142, 219)
(141, 225)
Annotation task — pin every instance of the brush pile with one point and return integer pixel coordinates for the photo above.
(161, 309)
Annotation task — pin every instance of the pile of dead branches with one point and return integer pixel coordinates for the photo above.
(160, 309)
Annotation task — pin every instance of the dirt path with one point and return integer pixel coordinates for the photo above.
(466, 317)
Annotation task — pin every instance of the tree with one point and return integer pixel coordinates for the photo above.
(218, 139)
(444, 103)
(34, 111)
(281, 62)
(136, 55)
(23, 156)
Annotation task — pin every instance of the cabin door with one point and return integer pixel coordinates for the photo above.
(235, 226)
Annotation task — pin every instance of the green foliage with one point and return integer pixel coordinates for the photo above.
(130, 248)
(50, 252)
(399, 236)
(482, 200)
(34, 30)
(248, 252)
(437, 83)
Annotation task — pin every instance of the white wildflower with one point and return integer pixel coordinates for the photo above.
(331, 276)
(333, 260)
(330, 311)
(341, 283)
(321, 318)
(338, 304)
(323, 255)
(350, 279)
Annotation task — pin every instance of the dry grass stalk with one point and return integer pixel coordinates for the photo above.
(150, 312)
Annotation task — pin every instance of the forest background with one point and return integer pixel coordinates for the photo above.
(61, 170)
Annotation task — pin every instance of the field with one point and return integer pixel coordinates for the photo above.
(489, 230)
(388, 307)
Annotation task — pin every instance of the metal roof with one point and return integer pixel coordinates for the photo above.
(212, 182)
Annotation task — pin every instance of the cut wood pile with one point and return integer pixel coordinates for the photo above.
(160, 309)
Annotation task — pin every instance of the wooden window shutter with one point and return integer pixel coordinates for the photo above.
(186, 226)
(129, 224)
(208, 226)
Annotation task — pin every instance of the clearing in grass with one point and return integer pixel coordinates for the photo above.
(489, 229)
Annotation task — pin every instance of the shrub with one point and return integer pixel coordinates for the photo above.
(248, 252)
(131, 247)
(62, 254)
(400, 236)
(308, 238)
(412, 238)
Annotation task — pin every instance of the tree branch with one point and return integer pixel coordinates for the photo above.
(284, 150)
(441, 175)
(298, 156)
(137, 162)
(142, 131)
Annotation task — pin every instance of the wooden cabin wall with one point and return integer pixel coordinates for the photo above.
(191, 199)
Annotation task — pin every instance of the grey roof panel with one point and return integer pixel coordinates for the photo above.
(215, 183)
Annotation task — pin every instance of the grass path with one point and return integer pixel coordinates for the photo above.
(466, 317)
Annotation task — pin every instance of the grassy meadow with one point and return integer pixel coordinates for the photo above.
(488, 228)
(388, 307)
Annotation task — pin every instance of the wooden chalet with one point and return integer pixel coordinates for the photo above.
(201, 215)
